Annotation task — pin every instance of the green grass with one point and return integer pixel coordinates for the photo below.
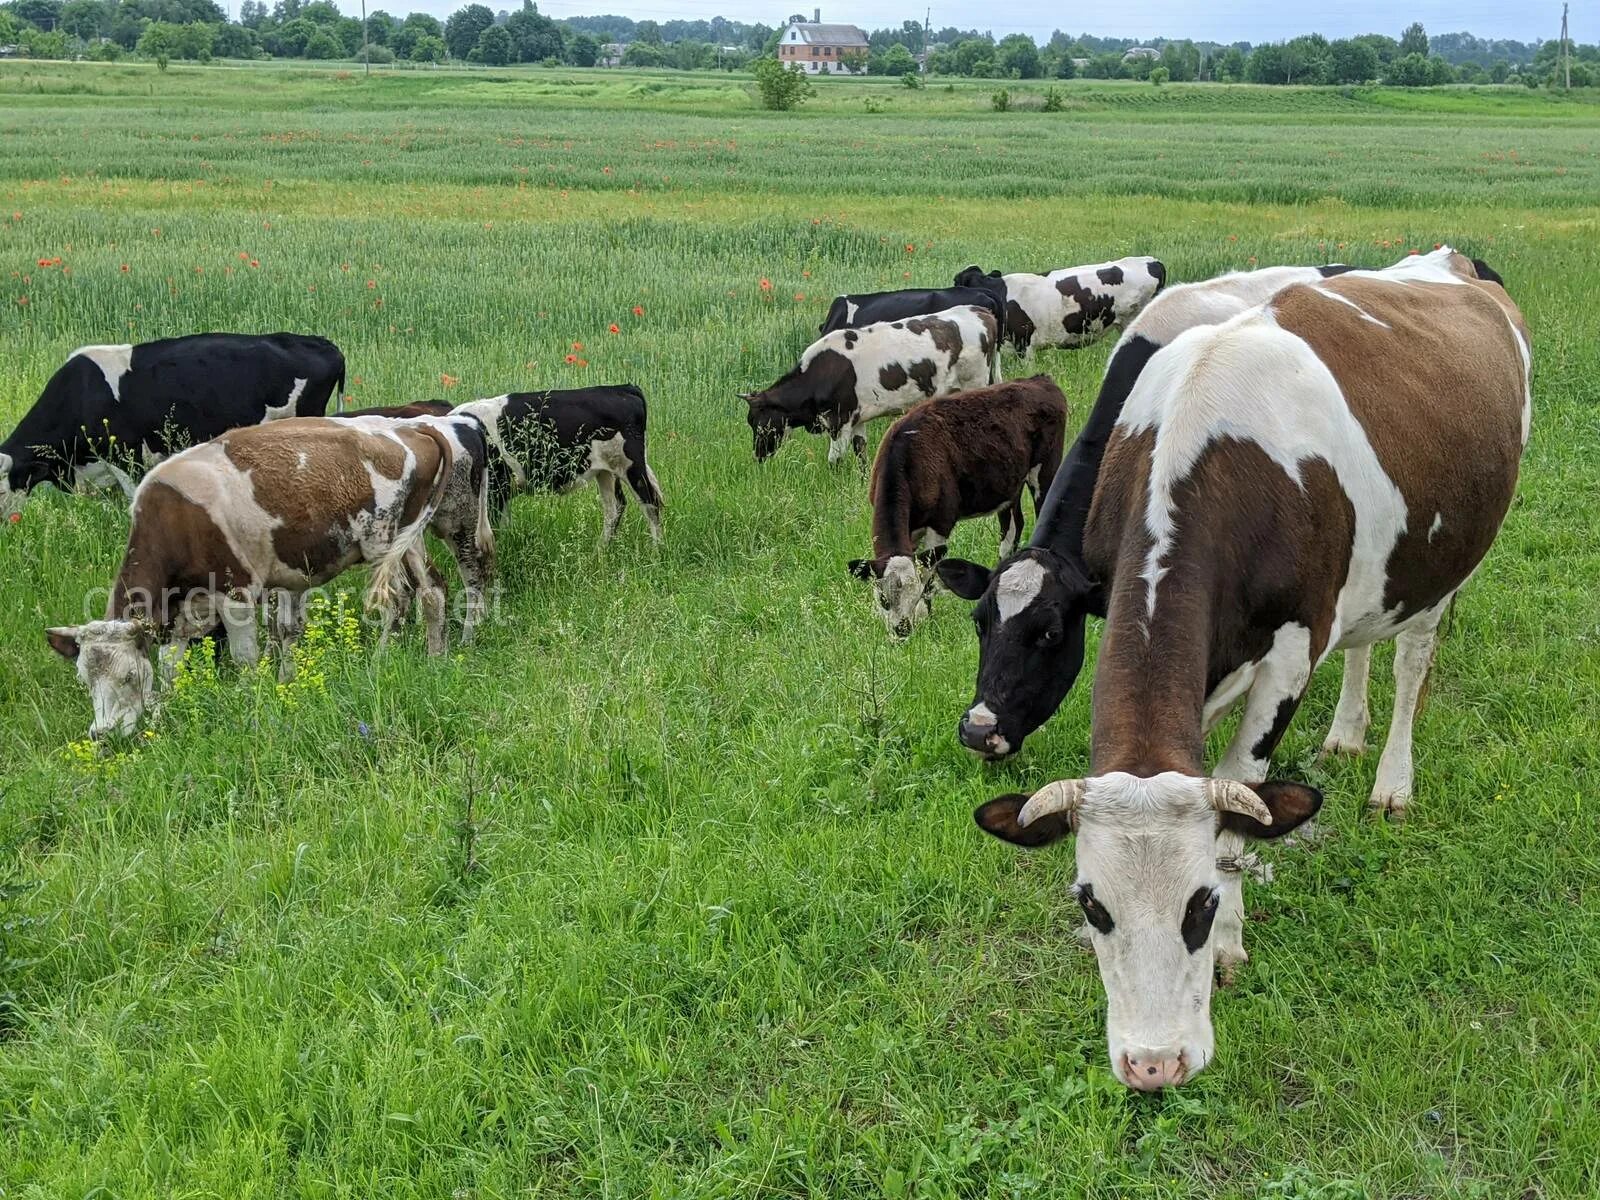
(733, 932)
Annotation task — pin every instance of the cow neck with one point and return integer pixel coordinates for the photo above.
(141, 579)
(1151, 678)
(891, 504)
(1066, 506)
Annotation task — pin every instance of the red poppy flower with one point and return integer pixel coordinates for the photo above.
(638, 310)
(910, 248)
(243, 257)
(583, 362)
(254, 263)
(613, 328)
(124, 268)
(44, 262)
(577, 345)
(14, 518)
(448, 381)
(372, 283)
(572, 358)
(799, 296)
(22, 300)
(766, 285)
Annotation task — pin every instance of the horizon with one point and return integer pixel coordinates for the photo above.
(1253, 21)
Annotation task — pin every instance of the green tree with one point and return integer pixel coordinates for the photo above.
(42, 14)
(235, 41)
(1500, 71)
(780, 88)
(643, 54)
(1159, 75)
(855, 61)
(1182, 61)
(1017, 56)
(323, 45)
(465, 27)
(159, 41)
(647, 32)
(381, 27)
(896, 60)
(1104, 66)
(1350, 61)
(1229, 66)
(429, 49)
(85, 19)
(1383, 45)
(44, 43)
(1064, 67)
(495, 46)
(535, 37)
(583, 50)
(1409, 70)
(1414, 40)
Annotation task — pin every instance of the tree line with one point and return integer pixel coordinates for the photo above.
(316, 29)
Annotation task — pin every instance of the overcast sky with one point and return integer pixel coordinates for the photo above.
(1232, 20)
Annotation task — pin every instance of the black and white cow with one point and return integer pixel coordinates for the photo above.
(560, 440)
(1322, 472)
(969, 455)
(869, 308)
(136, 404)
(852, 376)
(1072, 306)
(1012, 699)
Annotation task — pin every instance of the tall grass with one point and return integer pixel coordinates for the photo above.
(728, 928)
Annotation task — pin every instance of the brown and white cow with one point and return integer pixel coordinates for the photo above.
(852, 376)
(947, 460)
(277, 508)
(1320, 473)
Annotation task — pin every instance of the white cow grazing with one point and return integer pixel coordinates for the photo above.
(1072, 306)
(851, 376)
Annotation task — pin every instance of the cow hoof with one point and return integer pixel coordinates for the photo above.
(1390, 803)
(1084, 936)
(1227, 974)
(1337, 745)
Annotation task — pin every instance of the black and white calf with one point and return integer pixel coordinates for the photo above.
(139, 403)
(1072, 306)
(560, 440)
(967, 455)
(868, 308)
(852, 376)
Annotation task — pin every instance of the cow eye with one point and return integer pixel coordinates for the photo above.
(1093, 911)
(1050, 636)
(1197, 917)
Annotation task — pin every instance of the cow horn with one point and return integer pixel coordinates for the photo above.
(747, 397)
(1229, 795)
(1062, 796)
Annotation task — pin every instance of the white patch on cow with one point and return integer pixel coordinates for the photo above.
(1438, 524)
(490, 412)
(1250, 380)
(113, 362)
(850, 311)
(1365, 315)
(277, 412)
(1281, 674)
(1145, 846)
(900, 595)
(1018, 587)
(150, 456)
(890, 344)
(1226, 694)
(6, 463)
(982, 716)
(206, 477)
(113, 662)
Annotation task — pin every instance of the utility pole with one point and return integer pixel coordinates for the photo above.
(927, 21)
(1566, 58)
(366, 58)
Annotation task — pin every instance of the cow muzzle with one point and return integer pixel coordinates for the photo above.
(980, 732)
(1148, 1071)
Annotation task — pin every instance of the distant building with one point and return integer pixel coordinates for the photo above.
(1137, 52)
(610, 55)
(819, 48)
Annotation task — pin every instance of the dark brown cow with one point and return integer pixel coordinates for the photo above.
(961, 456)
(269, 509)
(1321, 473)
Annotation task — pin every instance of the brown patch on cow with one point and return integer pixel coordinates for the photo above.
(963, 456)
(892, 377)
(946, 335)
(1442, 386)
(432, 454)
(1092, 311)
(417, 408)
(1239, 568)
(923, 371)
(174, 548)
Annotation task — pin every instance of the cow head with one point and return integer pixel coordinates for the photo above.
(1030, 616)
(113, 660)
(1148, 884)
(769, 423)
(901, 586)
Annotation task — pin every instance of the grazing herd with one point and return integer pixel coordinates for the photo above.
(1279, 464)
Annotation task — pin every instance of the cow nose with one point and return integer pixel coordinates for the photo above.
(1150, 1072)
(983, 737)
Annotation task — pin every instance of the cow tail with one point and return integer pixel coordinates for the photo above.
(485, 532)
(389, 587)
(338, 391)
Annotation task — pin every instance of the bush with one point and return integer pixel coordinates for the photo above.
(912, 81)
(874, 105)
(1001, 101)
(1054, 99)
(1160, 75)
(429, 49)
(104, 52)
(323, 45)
(780, 88)
(379, 55)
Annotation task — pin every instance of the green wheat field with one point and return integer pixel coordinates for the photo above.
(669, 886)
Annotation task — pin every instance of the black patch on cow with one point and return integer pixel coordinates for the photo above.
(1198, 915)
(1019, 327)
(1333, 269)
(1158, 272)
(1268, 742)
(946, 335)
(1486, 272)
(1093, 311)
(923, 371)
(1110, 276)
(892, 377)
(851, 337)
(1093, 911)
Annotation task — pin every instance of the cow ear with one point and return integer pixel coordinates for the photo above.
(999, 818)
(1291, 806)
(863, 568)
(969, 580)
(931, 558)
(63, 640)
(747, 397)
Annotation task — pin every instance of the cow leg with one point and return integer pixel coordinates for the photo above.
(238, 615)
(432, 600)
(1348, 733)
(1414, 648)
(858, 443)
(476, 568)
(643, 482)
(288, 623)
(1011, 526)
(610, 504)
(840, 441)
(1279, 682)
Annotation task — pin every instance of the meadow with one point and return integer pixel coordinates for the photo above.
(669, 885)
